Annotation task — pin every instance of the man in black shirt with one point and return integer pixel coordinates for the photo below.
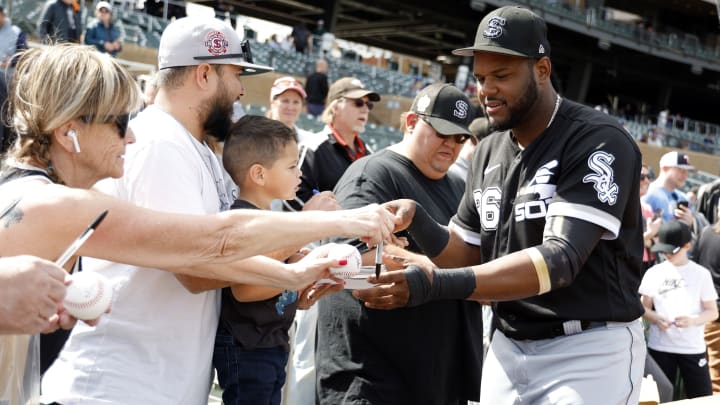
(430, 354)
(316, 86)
(551, 222)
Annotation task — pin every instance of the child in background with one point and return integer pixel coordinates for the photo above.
(252, 344)
(679, 298)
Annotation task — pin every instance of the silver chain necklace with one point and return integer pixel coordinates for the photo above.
(557, 107)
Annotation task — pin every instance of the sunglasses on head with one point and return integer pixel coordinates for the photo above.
(120, 121)
(459, 138)
(360, 102)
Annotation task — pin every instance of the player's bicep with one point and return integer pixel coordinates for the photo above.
(599, 179)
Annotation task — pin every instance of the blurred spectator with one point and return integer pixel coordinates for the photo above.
(317, 37)
(679, 299)
(652, 220)
(287, 97)
(12, 40)
(60, 22)
(301, 37)
(706, 254)
(273, 42)
(316, 86)
(101, 32)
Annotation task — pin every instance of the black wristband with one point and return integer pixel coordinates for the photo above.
(451, 284)
(430, 236)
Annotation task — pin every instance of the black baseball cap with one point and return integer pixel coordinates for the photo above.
(672, 237)
(445, 107)
(510, 30)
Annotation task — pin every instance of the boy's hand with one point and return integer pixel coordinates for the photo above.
(323, 201)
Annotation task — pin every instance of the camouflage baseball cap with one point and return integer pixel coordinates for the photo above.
(510, 30)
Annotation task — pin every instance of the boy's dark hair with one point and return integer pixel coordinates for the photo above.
(254, 139)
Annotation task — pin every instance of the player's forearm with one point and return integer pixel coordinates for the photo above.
(457, 253)
(508, 278)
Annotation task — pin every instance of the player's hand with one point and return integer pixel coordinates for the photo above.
(393, 291)
(371, 224)
(323, 201)
(311, 294)
(404, 211)
(33, 291)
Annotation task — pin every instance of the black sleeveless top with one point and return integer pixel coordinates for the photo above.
(52, 343)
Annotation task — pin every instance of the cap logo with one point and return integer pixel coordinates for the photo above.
(494, 27)
(423, 103)
(216, 43)
(541, 49)
(461, 109)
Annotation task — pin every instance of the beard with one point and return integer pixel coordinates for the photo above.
(218, 119)
(519, 111)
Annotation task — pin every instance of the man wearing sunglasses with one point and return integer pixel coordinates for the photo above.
(325, 157)
(431, 353)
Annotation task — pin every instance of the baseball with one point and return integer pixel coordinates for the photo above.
(88, 296)
(354, 261)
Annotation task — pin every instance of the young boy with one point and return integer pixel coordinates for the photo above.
(679, 298)
(251, 345)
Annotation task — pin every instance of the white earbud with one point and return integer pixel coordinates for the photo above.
(72, 134)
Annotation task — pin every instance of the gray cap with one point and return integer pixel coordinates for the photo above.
(510, 30)
(191, 41)
(445, 107)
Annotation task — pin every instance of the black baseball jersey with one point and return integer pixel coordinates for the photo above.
(584, 166)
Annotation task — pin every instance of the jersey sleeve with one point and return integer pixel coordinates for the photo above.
(600, 173)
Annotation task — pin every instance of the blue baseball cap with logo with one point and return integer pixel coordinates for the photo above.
(510, 30)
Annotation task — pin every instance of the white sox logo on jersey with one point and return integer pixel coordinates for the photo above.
(607, 190)
(494, 27)
(532, 200)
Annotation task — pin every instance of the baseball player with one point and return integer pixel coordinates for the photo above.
(551, 211)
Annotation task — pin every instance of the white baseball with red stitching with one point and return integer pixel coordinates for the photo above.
(88, 296)
(351, 254)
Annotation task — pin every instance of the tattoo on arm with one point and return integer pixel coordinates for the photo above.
(11, 218)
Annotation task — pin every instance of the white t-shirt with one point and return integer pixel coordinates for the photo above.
(156, 345)
(678, 291)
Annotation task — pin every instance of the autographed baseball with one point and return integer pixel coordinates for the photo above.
(351, 254)
(88, 296)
